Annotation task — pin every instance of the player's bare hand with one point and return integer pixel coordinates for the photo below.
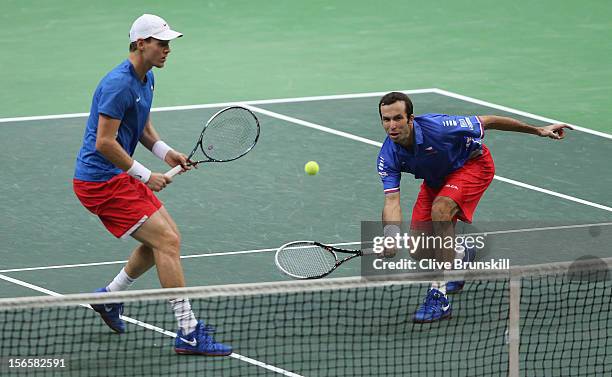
(554, 131)
(174, 158)
(158, 181)
(388, 253)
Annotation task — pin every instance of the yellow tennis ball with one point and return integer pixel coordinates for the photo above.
(311, 168)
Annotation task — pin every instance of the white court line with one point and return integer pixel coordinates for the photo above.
(553, 193)
(220, 254)
(313, 125)
(539, 229)
(152, 327)
(256, 251)
(518, 112)
(378, 144)
(325, 98)
(225, 104)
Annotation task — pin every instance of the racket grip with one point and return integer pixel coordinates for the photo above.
(174, 171)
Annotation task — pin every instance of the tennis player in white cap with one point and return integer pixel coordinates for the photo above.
(120, 190)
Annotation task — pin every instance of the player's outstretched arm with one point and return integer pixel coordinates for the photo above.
(494, 122)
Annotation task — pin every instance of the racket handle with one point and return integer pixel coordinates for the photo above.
(174, 171)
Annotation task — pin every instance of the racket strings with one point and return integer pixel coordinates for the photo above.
(306, 260)
(230, 134)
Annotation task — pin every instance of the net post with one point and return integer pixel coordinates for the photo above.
(513, 327)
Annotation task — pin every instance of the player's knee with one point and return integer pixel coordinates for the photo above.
(171, 243)
(419, 233)
(443, 209)
(178, 236)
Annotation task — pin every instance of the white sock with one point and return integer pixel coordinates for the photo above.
(185, 317)
(459, 254)
(439, 285)
(121, 282)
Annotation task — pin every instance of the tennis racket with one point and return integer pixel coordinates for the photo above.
(228, 135)
(310, 259)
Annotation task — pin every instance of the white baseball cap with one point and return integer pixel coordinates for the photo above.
(150, 25)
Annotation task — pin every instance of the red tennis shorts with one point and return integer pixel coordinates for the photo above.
(123, 203)
(465, 186)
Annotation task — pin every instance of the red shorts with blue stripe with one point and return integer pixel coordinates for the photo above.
(123, 203)
(465, 186)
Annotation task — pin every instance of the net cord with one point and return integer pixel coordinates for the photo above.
(281, 287)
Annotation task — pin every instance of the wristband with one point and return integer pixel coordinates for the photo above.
(391, 230)
(139, 172)
(160, 149)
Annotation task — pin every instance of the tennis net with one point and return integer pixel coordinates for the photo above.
(552, 320)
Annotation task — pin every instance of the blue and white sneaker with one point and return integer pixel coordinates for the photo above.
(435, 307)
(200, 342)
(456, 286)
(111, 314)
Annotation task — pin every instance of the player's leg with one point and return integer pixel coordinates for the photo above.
(460, 195)
(458, 198)
(119, 205)
(161, 234)
(436, 305)
(158, 235)
(420, 223)
(127, 207)
(170, 220)
(443, 212)
(183, 312)
(141, 261)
